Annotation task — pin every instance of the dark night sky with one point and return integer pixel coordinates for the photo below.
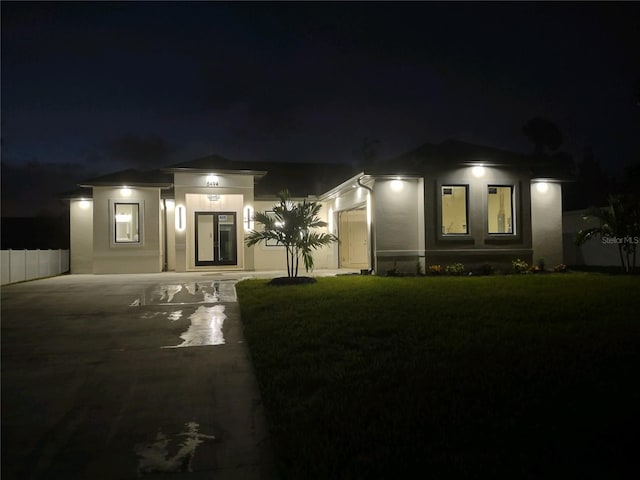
(91, 87)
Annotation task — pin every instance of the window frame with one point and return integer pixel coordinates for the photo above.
(113, 205)
(452, 237)
(512, 201)
(521, 223)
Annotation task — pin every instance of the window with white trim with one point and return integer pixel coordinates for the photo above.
(126, 218)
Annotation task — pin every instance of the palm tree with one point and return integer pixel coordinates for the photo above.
(619, 224)
(291, 225)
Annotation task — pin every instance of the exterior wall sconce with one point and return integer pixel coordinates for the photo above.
(212, 181)
(125, 191)
(542, 187)
(396, 185)
(181, 218)
(248, 219)
(478, 171)
(84, 204)
(213, 197)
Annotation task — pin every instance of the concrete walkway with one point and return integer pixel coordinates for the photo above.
(123, 376)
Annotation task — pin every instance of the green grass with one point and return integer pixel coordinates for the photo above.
(531, 376)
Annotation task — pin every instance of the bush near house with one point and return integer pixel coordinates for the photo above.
(520, 266)
(484, 377)
(455, 269)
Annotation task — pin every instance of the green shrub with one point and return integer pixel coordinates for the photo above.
(520, 266)
(455, 269)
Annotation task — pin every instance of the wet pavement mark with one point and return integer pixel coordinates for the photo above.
(205, 329)
(155, 458)
(188, 293)
(207, 320)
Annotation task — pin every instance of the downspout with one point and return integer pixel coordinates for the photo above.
(372, 236)
(166, 247)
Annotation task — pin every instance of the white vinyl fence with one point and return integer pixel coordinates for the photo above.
(20, 265)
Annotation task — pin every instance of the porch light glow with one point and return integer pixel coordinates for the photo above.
(212, 181)
(542, 187)
(478, 171)
(84, 204)
(396, 185)
(125, 191)
(181, 218)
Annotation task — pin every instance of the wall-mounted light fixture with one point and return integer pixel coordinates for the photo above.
(478, 171)
(542, 187)
(181, 218)
(125, 191)
(248, 219)
(212, 181)
(84, 204)
(213, 197)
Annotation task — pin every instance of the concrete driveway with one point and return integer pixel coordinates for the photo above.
(129, 376)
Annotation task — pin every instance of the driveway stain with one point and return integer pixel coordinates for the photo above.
(155, 458)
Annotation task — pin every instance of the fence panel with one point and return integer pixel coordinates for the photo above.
(32, 264)
(4, 262)
(20, 265)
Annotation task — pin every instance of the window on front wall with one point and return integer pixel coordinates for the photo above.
(454, 209)
(500, 209)
(127, 222)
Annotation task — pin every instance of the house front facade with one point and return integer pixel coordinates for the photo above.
(439, 204)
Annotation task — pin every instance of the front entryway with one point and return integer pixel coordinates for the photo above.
(216, 242)
(354, 238)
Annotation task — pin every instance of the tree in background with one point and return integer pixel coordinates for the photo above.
(592, 186)
(544, 134)
(291, 226)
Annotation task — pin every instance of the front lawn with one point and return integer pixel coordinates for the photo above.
(532, 376)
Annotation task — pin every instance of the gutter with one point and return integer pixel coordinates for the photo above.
(372, 236)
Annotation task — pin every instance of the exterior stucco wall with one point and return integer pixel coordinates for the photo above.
(546, 221)
(478, 246)
(108, 257)
(399, 227)
(170, 218)
(236, 195)
(81, 236)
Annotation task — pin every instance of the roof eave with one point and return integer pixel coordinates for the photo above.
(214, 171)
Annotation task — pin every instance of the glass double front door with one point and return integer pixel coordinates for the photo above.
(216, 239)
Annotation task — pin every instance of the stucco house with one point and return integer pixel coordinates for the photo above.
(438, 204)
